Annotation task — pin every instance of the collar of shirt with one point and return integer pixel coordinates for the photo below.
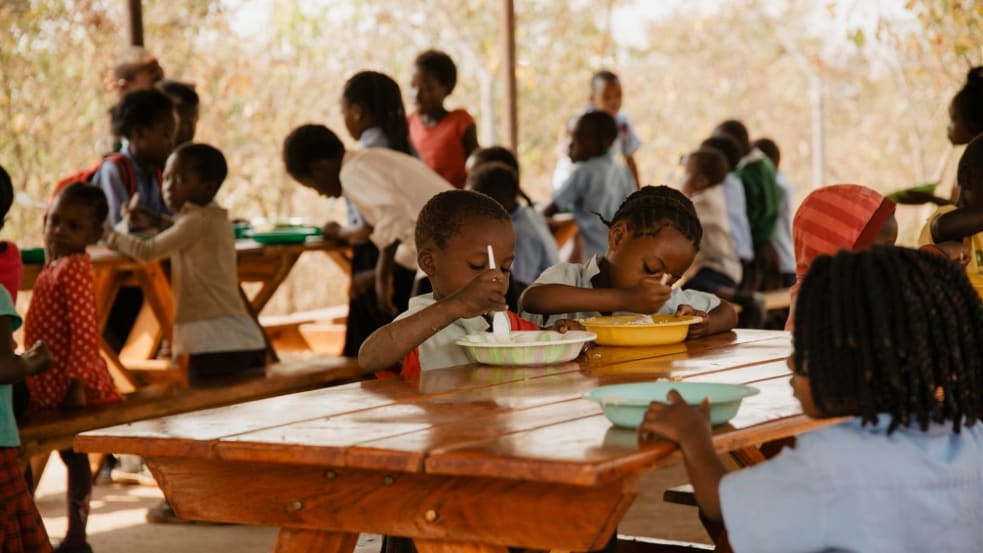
(753, 155)
(373, 137)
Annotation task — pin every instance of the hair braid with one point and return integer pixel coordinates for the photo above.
(653, 208)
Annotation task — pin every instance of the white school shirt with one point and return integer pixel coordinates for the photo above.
(740, 228)
(782, 240)
(389, 188)
(853, 488)
(716, 247)
(440, 350)
(580, 275)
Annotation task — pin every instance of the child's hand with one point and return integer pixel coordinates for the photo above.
(675, 420)
(484, 294)
(331, 231)
(957, 252)
(698, 330)
(75, 396)
(362, 283)
(563, 325)
(647, 297)
(37, 359)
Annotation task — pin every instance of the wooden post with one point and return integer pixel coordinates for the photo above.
(508, 63)
(134, 12)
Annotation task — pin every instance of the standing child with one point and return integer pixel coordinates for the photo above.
(21, 527)
(211, 324)
(890, 338)
(444, 138)
(598, 183)
(11, 265)
(653, 237)
(63, 315)
(782, 240)
(388, 188)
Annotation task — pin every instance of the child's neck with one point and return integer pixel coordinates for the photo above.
(63, 255)
(602, 280)
(431, 118)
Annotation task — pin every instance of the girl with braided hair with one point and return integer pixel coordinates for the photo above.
(890, 338)
(653, 239)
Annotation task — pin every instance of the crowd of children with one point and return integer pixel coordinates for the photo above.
(879, 332)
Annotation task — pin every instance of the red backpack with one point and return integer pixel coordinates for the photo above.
(123, 165)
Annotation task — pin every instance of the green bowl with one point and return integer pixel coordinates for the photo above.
(291, 235)
(32, 256)
(242, 230)
(625, 404)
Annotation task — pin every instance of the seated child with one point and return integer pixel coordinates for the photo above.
(962, 223)
(11, 265)
(21, 527)
(211, 324)
(186, 103)
(654, 237)
(903, 473)
(782, 240)
(535, 248)
(388, 188)
(598, 183)
(716, 268)
(838, 217)
(736, 200)
(444, 138)
(63, 315)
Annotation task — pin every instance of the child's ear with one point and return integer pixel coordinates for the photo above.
(426, 261)
(616, 235)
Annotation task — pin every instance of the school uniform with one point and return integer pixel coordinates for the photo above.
(581, 275)
(782, 239)
(535, 248)
(626, 143)
(596, 188)
(716, 265)
(851, 487)
(147, 185)
(740, 229)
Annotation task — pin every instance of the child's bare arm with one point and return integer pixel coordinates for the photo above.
(470, 140)
(549, 299)
(722, 318)
(15, 368)
(384, 288)
(690, 429)
(958, 224)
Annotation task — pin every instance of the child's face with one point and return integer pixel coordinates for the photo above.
(428, 93)
(466, 255)
(802, 390)
(607, 96)
(635, 258)
(355, 118)
(181, 183)
(325, 178)
(187, 124)
(957, 131)
(584, 143)
(154, 143)
(68, 228)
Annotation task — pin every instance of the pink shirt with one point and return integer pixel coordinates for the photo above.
(442, 146)
(11, 269)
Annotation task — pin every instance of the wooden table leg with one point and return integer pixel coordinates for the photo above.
(269, 286)
(432, 546)
(295, 540)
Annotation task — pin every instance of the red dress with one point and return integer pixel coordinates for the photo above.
(11, 269)
(442, 146)
(63, 314)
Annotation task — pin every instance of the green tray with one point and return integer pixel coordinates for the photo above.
(32, 256)
(293, 235)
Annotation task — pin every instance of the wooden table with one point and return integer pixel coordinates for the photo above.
(476, 459)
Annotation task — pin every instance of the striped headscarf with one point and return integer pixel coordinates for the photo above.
(834, 218)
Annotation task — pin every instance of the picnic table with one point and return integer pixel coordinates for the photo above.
(268, 265)
(472, 458)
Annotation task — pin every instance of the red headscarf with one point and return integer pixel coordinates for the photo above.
(834, 218)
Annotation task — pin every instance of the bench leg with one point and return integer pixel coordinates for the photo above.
(295, 540)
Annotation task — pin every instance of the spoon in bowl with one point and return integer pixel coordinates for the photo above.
(500, 321)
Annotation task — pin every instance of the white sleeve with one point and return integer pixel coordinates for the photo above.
(376, 200)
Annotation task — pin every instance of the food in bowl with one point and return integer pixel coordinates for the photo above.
(625, 404)
(639, 330)
(526, 347)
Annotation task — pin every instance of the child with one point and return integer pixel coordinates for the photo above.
(963, 223)
(653, 237)
(388, 188)
(444, 138)
(598, 183)
(535, 249)
(839, 217)
(903, 474)
(63, 315)
(782, 239)
(21, 528)
(186, 104)
(716, 267)
(146, 119)
(11, 266)
(736, 200)
(211, 324)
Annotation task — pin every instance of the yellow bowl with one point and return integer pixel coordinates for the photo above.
(977, 283)
(639, 330)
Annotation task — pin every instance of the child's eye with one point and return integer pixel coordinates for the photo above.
(476, 267)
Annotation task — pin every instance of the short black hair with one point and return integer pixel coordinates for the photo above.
(736, 130)
(603, 76)
(652, 208)
(183, 95)
(440, 65)
(495, 153)
(770, 148)
(140, 109)
(380, 97)
(601, 125)
(726, 146)
(307, 144)
(83, 193)
(496, 180)
(207, 162)
(446, 213)
(969, 175)
(891, 331)
(710, 163)
(6, 194)
(969, 101)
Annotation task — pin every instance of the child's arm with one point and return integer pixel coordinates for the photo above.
(388, 345)
(470, 140)
(181, 235)
(958, 224)
(549, 299)
(15, 368)
(690, 429)
(633, 167)
(720, 319)
(384, 288)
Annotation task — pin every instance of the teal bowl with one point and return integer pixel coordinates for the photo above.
(625, 404)
(242, 230)
(287, 235)
(32, 256)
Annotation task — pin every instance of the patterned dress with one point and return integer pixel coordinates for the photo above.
(63, 314)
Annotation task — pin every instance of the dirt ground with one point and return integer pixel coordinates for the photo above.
(117, 524)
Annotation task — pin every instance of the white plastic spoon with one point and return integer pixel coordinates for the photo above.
(500, 321)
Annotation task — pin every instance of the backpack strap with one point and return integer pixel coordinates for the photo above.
(126, 171)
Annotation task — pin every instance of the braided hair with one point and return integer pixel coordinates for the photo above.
(652, 208)
(381, 98)
(968, 102)
(891, 330)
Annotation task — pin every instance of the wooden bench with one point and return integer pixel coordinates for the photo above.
(45, 432)
(285, 332)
